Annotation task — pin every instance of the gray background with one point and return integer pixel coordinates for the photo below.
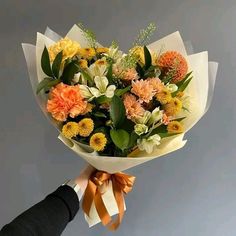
(190, 192)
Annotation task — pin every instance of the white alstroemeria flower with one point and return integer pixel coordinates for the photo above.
(172, 87)
(78, 78)
(101, 88)
(97, 70)
(155, 116)
(140, 129)
(149, 143)
(144, 119)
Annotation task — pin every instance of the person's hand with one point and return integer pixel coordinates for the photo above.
(82, 179)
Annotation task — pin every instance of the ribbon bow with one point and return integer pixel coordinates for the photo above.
(121, 183)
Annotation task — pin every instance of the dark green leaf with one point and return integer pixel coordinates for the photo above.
(100, 114)
(120, 92)
(57, 64)
(47, 83)
(140, 70)
(69, 71)
(120, 138)
(87, 77)
(182, 87)
(109, 73)
(148, 57)
(117, 111)
(45, 63)
(159, 129)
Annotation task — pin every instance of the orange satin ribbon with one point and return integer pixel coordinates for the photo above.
(121, 183)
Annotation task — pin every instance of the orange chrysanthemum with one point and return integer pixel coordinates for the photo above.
(133, 107)
(174, 62)
(156, 84)
(65, 101)
(143, 89)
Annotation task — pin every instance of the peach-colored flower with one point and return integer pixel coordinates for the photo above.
(165, 119)
(66, 100)
(143, 89)
(130, 74)
(156, 84)
(132, 106)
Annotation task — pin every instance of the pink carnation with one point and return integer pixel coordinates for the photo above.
(66, 101)
(130, 74)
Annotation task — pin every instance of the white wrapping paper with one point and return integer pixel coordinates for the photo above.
(200, 91)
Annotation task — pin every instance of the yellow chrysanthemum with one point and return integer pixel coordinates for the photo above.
(101, 62)
(83, 63)
(175, 127)
(102, 50)
(87, 53)
(86, 127)
(180, 94)
(70, 129)
(98, 141)
(173, 107)
(66, 45)
(164, 96)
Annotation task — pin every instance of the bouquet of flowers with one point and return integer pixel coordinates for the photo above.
(118, 110)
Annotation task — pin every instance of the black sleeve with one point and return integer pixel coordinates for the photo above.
(48, 217)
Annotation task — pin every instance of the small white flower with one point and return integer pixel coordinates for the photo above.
(114, 53)
(172, 87)
(149, 143)
(97, 70)
(140, 129)
(155, 116)
(102, 88)
(144, 119)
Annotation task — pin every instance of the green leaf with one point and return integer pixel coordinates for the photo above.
(102, 99)
(87, 77)
(120, 92)
(185, 78)
(166, 135)
(159, 129)
(47, 83)
(69, 71)
(57, 64)
(117, 111)
(133, 139)
(179, 119)
(109, 73)
(45, 63)
(100, 114)
(182, 87)
(139, 69)
(148, 57)
(120, 138)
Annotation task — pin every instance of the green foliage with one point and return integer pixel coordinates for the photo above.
(70, 70)
(109, 73)
(102, 99)
(47, 83)
(144, 35)
(45, 63)
(57, 64)
(130, 60)
(117, 111)
(120, 138)
(166, 135)
(89, 35)
(148, 57)
(182, 85)
(180, 119)
(120, 92)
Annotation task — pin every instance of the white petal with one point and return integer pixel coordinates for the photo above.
(101, 83)
(110, 91)
(95, 92)
(85, 91)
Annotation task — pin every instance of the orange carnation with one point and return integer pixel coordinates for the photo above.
(174, 62)
(132, 106)
(66, 100)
